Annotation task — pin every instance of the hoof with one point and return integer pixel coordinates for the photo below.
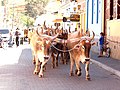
(79, 74)
(40, 75)
(36, 72)
(76, 71)
(34, 62)
(88, 79)
(57, 65)
(66, 63)
(53, 67)
(62, 61)
(71, 74)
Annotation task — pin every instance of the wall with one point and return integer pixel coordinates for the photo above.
(113, 27)
(95, 16)
(113, 36)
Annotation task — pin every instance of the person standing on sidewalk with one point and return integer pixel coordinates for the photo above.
(101, 44)
(17, 33)
(10, 39)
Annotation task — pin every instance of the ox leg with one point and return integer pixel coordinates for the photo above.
(57, 59)
(71, 67)
(66, 58)
(78, 68)
(65, 54)
(41, 69)
(34, 62)
(87, 70)
(37, 66)
(53, 60)
(62, 57)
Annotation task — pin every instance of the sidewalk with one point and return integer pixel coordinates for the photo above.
(11, 55)
(109, 64)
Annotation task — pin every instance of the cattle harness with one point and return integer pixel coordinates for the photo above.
(66, 41)
(63, 41)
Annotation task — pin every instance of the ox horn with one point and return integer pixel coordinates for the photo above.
(93, 36)
(87, 33)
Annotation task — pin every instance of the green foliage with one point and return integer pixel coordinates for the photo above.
(26, 20)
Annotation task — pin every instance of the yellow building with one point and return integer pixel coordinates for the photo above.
(78, 7)
(113, 27)
(81, 9)
(10, 12)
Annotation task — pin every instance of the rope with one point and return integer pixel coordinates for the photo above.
(63, 50)
(78, 40)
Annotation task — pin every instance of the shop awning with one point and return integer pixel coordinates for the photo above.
(58, 20)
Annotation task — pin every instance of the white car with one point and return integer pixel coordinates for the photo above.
(5, 35)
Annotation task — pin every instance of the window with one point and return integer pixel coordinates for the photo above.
(111, 9)
(92, 10)
(97, 11)
(118, 9)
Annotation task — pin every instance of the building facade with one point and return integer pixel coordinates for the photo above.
(81, 9)
(95, 19)
(11, 12)
(95, 15)
(78, 7)
(112, 26)
(3, 14)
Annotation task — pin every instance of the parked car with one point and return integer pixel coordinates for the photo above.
(4, 36)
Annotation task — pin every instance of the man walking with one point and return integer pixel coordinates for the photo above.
(17, 33)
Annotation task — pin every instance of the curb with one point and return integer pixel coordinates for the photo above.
(116, 72)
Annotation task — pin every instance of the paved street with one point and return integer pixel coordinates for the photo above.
(16, 73)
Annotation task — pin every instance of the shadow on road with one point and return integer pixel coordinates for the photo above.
(25, 57)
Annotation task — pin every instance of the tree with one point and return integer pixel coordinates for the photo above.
(26, 20)
(35, 7)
